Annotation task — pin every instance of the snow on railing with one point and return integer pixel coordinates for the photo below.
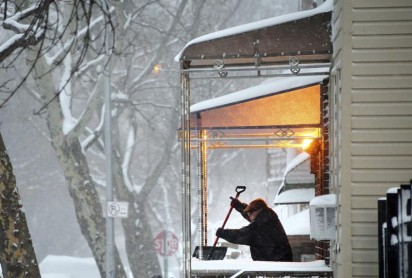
(240, 268)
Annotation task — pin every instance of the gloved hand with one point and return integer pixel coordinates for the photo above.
(236, 204)
(220, 232)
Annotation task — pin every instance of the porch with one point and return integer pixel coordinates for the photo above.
(279, 113)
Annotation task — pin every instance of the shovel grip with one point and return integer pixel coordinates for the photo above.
(239, 189)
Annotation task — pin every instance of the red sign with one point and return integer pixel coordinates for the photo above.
(166, 243)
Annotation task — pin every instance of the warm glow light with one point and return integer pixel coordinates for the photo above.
(156, 68)
(307, 134)
(306, 143)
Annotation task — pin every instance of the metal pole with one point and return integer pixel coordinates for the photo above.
(186, 217)
(203, 187)
(110, 270)
(183, 142)
(165, 255)
(200, 198)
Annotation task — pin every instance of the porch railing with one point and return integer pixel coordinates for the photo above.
(253, 269)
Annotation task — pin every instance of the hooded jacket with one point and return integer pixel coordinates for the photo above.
(265, 236)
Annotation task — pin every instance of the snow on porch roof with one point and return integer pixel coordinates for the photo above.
(280, 102)
(270, 86)
(304, 34)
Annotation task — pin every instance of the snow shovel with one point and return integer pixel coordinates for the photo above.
(218, 252)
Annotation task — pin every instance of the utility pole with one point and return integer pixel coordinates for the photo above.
(110, 270)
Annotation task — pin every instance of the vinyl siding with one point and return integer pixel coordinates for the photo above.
(380, 115)
(343, 242)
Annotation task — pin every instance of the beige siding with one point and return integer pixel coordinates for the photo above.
(340, 267)
(379, 70)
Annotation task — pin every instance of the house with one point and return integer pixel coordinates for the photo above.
(365, 144)
(371, 122)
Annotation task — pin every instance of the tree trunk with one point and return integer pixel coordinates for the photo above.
(81, 185)
(138, 233)
(17, 255)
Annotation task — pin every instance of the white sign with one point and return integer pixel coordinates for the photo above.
(117, 209)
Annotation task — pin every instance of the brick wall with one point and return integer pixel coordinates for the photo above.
(302, 245)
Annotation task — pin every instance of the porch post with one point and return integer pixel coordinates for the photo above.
(185, 153)
(202, 191)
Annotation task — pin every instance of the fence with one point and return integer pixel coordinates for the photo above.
(394, 222)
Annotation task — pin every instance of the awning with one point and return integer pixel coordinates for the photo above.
(283, 109)
(304, 37)
(298, 186)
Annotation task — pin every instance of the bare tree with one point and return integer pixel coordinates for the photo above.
(66, 73)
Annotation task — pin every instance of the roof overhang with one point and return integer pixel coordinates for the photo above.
(294, 41)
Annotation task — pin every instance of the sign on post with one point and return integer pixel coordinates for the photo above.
(166, 243)
(117, 209)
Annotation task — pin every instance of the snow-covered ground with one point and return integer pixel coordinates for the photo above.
(69, 267)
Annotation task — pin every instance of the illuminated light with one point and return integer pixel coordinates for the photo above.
(312, 148)
(156, 68)
(306, 143)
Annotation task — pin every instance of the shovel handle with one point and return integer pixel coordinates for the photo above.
(239, 189)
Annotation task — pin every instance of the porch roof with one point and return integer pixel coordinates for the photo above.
(280, 108)
(305, 35)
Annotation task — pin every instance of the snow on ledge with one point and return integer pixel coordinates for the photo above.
(241, 265)
(297, 195)
(392, 190)
(324, 200)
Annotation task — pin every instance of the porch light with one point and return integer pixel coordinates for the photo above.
(311, 146)
(156, 69)
(306, 143)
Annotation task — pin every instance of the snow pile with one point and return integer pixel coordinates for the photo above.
(68, 267)
(298, 224)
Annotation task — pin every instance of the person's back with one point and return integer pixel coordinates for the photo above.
(270, 242)
(265, 234)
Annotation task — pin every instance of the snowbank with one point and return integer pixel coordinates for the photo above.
(298, 224)
(71, 267)
(68, 267)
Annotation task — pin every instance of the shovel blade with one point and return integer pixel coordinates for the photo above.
(211, 253)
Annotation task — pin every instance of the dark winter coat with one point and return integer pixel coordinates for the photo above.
(265, 236)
